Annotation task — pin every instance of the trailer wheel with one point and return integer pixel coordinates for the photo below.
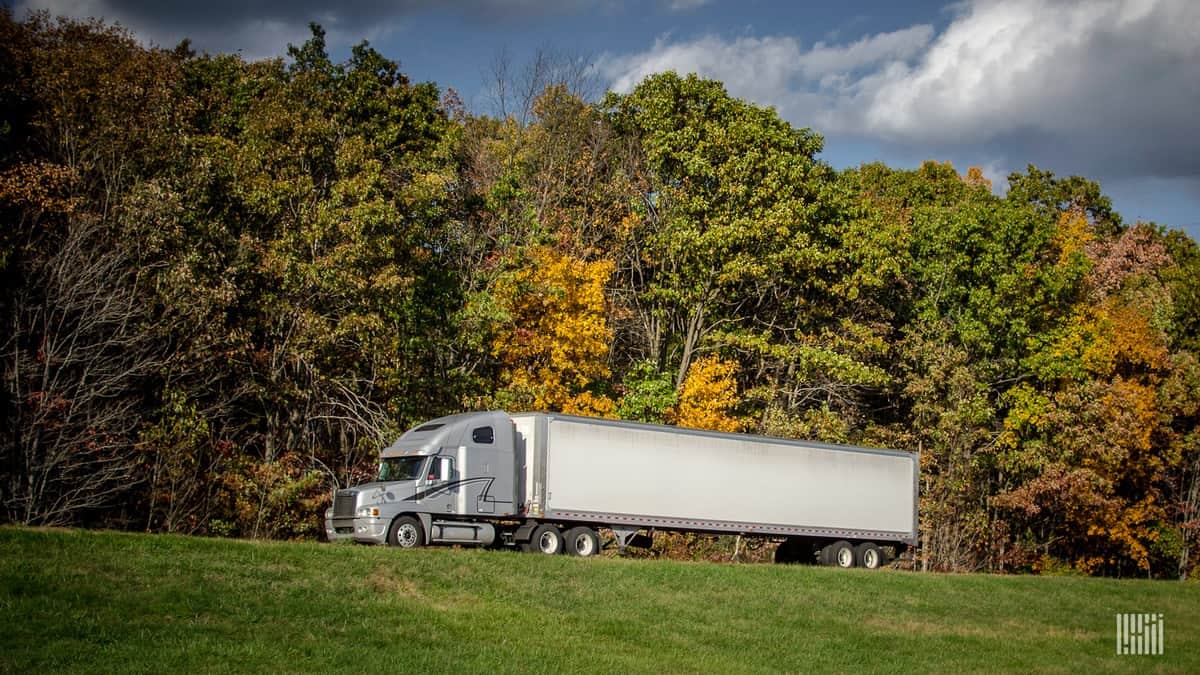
(547, 539)
(869, 555)
(406, 532)
(583, 542)
(825, 555)
(838, 554)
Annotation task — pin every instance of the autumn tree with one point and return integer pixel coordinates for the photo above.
(970, 298)
(548, 201)
(553, 342)
(227, 283)
(1088, 452)
(87, 115)
(708, 398)
(746, 242)
(320, 191)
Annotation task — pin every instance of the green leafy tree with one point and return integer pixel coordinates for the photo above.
(302, 257)
(648, 394)
(744, 240)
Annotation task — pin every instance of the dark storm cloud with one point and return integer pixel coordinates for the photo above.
(357, 12)
(262, 28)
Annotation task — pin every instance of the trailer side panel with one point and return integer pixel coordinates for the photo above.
(676, 478)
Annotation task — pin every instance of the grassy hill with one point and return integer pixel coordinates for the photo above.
(103, 601)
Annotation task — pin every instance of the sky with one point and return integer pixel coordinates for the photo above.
(1106, 89)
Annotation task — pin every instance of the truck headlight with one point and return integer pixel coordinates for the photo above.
(368, 512)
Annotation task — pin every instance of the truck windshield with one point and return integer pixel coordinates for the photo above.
(400, 468)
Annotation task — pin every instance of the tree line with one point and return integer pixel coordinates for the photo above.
(227, 283)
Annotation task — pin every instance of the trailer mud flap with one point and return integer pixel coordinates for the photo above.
(525, 532)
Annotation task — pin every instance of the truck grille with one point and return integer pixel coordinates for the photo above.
(343, 503)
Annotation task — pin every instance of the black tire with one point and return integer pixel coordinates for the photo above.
(825, 555)
(582, 541)
(546, 539)
(869, 556)
(406, 532)
(838, 554)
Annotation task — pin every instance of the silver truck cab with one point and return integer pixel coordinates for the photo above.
(431, 482)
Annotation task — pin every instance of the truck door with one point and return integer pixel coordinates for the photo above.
(439, 494)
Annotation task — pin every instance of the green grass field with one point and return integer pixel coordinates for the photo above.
(107, 602)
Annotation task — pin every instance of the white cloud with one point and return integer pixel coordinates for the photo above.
(772, 70)
(1103, 87)
(899, 45)
(758, 68)
(1050, 65)
(684, 5)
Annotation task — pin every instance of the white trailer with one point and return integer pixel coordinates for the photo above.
(549, 482)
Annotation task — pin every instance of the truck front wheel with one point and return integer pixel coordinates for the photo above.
(406, 532)
(547, 539)
(583, 542)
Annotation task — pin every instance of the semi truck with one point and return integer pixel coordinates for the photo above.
(550, 483)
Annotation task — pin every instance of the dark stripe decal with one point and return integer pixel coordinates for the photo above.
(439, 489)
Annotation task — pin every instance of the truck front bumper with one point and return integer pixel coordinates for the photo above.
(370, 530)
(338, 529)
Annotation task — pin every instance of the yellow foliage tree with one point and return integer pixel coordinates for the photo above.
(1073, 235)
(708, 396)
(554, 341)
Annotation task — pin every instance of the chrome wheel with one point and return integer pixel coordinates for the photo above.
(406, 532)
(870, 556)
(582, 541)
(547, 539)
(845, 557)
(406, 536)
(584, 545)
(838, 554)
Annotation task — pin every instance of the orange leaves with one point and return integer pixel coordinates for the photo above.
(1085, 451)
(555, 339)
(709, 396)
(38, 186)
(1116, 335)
(1136, 342)
(975, 178)
(1137, 527)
